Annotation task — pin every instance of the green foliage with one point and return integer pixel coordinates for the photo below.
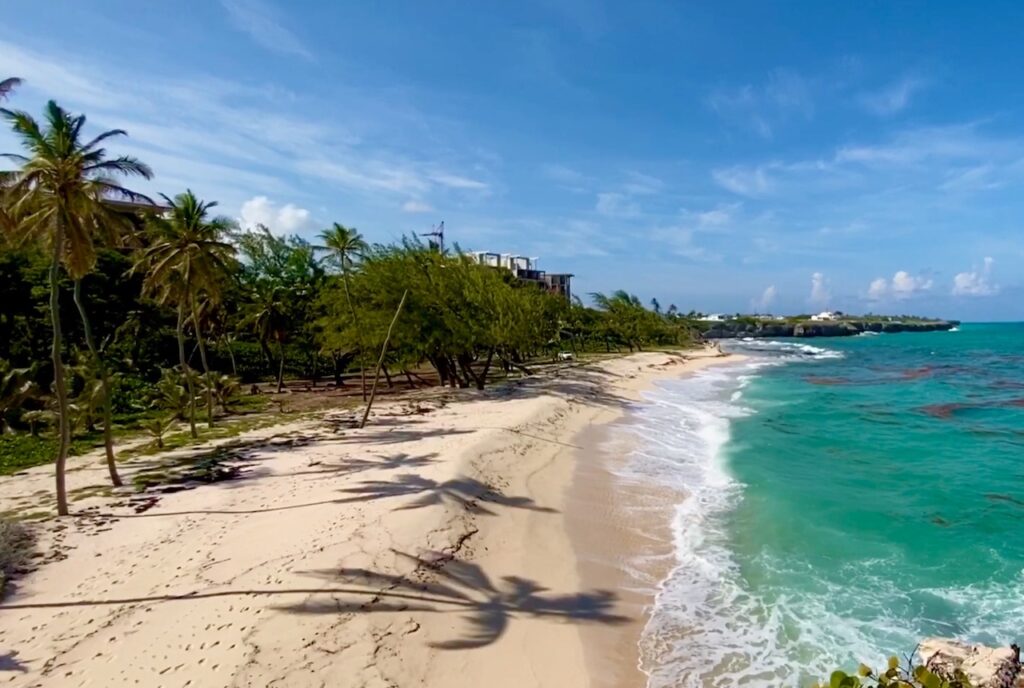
(16, 388)
(895, 676)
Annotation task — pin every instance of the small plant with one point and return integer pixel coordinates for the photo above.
(226, 388)
(171, 393)
(895, 676)
(158, 428)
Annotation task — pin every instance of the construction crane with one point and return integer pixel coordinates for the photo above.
(437, 232)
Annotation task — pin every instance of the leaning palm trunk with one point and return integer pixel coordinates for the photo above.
(380, 361)
(206, 366)
(59, 385)
(355, 322)
(108, 432)
(185, 370)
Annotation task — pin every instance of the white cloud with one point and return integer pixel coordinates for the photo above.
(976, 282)
(893, 98)
(878, 289)
(414, 206)
(821, 293)
(264, 25)
(902, 286)
(286, 219)
(764, 303)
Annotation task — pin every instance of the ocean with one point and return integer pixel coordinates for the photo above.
(844, 498)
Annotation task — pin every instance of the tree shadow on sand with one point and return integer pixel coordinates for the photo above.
(461, 587)
(463, 491)
(488, 606)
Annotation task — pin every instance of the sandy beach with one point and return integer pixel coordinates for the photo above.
(446, 544)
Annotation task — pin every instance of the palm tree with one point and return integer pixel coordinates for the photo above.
(187, 259)
(269, 320)
(59, 196)
(345, 246)
(8, 85)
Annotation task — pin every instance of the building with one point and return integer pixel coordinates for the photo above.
(826, 315)
(715, 317)
(525, 269)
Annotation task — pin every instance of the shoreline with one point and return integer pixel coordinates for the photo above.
(431, 548)
(623, 538)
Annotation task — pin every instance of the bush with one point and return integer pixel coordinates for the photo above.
(895, 676)
(17, 544)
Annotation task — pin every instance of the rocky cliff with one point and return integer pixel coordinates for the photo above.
(813, 328)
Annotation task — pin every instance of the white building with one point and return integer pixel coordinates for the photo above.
(826, 315)
(715, 317)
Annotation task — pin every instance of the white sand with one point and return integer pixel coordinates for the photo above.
(427, 549)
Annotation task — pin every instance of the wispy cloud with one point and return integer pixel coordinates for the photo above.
(894, 98)
(744, 181)
(229, 141)
(264, 24)
(763, 303)
(612, 204)
(821, 291)
(414, 206)
(761, 108)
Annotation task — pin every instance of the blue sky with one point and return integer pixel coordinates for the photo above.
(777, 156)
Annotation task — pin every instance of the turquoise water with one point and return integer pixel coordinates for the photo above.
(847, 498)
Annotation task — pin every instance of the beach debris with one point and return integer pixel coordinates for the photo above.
(984, 667)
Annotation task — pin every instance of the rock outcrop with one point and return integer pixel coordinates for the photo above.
(985, 667)
(732, 329)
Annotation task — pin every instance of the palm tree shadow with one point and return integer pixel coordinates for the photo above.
(465, 492)
(488, 607)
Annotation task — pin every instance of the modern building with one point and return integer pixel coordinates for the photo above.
(525, 268)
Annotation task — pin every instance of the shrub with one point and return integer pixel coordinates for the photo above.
(895, 676)
(17, 544)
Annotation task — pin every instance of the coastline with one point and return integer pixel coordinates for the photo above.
(623, 538)
(435, 547)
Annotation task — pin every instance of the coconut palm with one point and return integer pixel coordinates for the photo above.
(187, 260)
(269, 319)
(59, 197)
(344, 247)
(8, 85)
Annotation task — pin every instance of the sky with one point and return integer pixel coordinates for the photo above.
(782, 157)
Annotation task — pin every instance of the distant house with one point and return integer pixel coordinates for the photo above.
(526, 269)
(715, 317)
(826, 315)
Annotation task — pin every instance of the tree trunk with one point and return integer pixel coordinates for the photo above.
(355, 322)
(206, 366)
(387, 376)
(482, 380)
(338, 382)
(59, 384)
(108, 431)
(408, 377)
(231, 355)
(186, 371)
(280, 366)
(380, 361)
